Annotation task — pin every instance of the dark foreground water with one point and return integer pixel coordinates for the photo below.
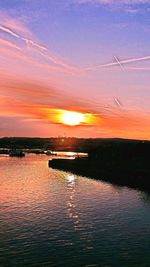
(53, 218)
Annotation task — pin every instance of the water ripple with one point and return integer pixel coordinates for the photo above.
(52, 218)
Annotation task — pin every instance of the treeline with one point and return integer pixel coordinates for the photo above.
(71, 144)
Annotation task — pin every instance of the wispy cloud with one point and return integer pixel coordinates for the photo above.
(115, 2)
(6, 43)
(132, 7)
(30, 104)
(17, 115)
(15, 25)
(132, 10)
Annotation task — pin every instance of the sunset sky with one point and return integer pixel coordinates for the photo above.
(88, 57)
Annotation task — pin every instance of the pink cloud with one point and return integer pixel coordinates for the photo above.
(113, 1)
(15, 25)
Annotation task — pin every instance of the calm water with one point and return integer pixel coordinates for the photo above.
(53, 218)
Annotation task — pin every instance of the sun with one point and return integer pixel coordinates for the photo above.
(72, 118)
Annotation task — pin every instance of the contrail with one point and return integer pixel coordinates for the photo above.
(58, 61)
(117, 102)
(118, 61)
(137, 68)
(41, 49)
(29, 41)
(125, 61)
(7, 30)
(26, 40)
(8, 43)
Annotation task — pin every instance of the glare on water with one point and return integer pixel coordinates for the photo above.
(55, 218)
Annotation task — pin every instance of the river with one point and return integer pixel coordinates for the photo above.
(53, 218)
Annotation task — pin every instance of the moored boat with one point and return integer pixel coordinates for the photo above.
(16, 153)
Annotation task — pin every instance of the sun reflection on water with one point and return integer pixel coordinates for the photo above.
(71, 207)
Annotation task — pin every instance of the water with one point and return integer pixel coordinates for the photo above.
(52, 218)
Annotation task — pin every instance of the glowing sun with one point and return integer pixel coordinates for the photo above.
(72, 118)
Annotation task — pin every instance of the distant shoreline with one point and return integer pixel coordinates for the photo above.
(63, 143)
(120, 161)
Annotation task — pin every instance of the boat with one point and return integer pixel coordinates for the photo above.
(16, 153)
(51, 153)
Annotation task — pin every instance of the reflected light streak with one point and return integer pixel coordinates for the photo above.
(72, 212)
(70, 178)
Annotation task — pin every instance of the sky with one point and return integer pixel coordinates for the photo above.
(75, 58)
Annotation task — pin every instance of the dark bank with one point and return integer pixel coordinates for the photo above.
(121, 163)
